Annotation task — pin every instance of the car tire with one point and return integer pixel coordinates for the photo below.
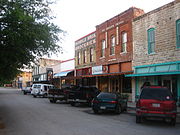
(34, 96)
(96, 111)
(118, 109)
(138, 119)
(24, 93)
(72, 104)
(173, 122)
(52, 101)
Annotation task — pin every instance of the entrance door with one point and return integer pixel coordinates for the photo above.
(170, 83)
(114, 83)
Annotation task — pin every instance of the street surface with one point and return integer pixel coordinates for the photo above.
(24, 115)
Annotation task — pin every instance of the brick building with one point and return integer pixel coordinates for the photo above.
(156, 56)
(114, 52)
(85, 58)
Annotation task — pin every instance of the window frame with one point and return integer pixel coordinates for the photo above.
(79, 58)
(85, 56)
(91, 54)
(178, 34)
(112, 47)
(103, 46)
(151, 40)
(124, 42)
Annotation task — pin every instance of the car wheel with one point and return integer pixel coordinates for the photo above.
(72, 104)
(34, 96)
(25, 93)
(173, 122)
(118, 109)
(52, 101)
(96, 111)
(138, 119)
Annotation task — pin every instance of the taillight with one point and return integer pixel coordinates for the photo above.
(95, 101)
(138, 105)
(113, 102)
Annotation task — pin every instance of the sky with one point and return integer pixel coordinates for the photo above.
(80, 17)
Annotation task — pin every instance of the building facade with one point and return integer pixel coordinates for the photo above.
(156, 56)
(64, 73)
(114, 52)
(85, 59)
(43, 71)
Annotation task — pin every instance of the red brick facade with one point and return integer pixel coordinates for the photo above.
(115, 27)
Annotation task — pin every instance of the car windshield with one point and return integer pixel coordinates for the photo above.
(106, 96)
(156, 93)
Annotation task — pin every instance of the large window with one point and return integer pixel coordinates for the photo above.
(124, 42)
(91, 54)
(151, 40)
(85, 56)
(103, 46)
(178, 33)
(78, 58)
(112, 47)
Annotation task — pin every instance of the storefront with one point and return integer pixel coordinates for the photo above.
(162, 74)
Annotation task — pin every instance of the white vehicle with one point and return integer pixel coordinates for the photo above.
(40, 89)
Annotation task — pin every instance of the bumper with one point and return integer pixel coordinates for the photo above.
(77, 100)
(156, 114)
(56, 96)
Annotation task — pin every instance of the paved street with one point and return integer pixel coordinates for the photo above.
(24, 115)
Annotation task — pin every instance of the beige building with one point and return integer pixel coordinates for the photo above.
(156, 49)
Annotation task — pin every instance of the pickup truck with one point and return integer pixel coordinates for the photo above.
(60, 94)
(82, 94)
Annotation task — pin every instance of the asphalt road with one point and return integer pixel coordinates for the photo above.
(24, 115)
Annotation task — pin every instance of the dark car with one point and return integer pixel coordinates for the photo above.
(109, 102)
(156, 102)
(82, 94)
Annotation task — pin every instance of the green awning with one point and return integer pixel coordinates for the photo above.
(153, 74)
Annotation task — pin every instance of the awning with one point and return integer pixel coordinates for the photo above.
(153, 74)
(108, 74)
(61, 74)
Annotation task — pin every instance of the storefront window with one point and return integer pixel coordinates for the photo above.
(126, 85)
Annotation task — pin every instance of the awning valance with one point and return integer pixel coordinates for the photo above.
(153, 74)
(61, 74)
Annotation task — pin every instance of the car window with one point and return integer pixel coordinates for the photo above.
(156, 93)
(106, 96)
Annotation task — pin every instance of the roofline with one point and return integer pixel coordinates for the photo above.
(156, 10)
(85, 36)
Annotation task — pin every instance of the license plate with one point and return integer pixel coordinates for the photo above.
(155, 105)
(102, 107)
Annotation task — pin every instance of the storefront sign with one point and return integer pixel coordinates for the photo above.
(97, 70)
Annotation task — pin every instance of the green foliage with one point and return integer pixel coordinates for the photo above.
(26, 33)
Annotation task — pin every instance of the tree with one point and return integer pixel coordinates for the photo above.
(26, 33)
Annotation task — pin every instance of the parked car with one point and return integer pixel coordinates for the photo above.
(156, 102)
(82, 94)
(109, 102)
(27, 89)
(41, 89)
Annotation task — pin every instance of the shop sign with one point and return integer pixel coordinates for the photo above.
(97, 70)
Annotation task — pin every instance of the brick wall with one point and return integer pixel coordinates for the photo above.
(116, 26)
(163, 20)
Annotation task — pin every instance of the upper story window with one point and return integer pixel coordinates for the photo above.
(151, 40)
(112, 47)
(85, 56)
(178, 33)
(91, 54)
(78, 58)
(103, 46)
(124, 42)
